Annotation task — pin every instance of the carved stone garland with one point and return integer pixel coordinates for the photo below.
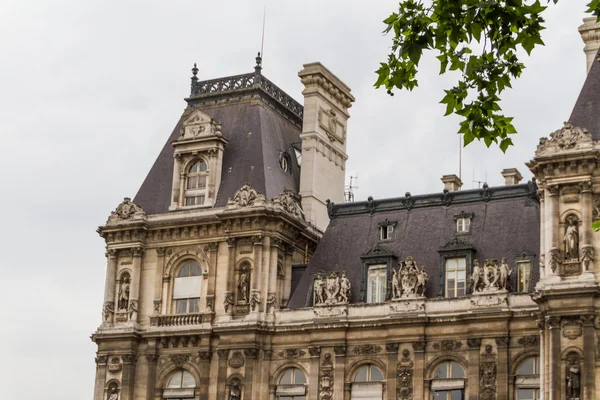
(246, 196)
(487, 374)
(326, 378)
(404, 390)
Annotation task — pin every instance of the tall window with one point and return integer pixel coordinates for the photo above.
(527, 381)
(376, 283)
(456, 275)
(186, 289)
(524, 275)
(448, 382)
(197, 175)
(386, 232)
(367, 383)
(181, 386)
(463, 225)
(291, 385)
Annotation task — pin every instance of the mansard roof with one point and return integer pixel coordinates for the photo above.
(505, 223)
(586, 113)
(260, 123)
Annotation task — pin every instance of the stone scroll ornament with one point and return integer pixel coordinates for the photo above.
(332, 288)
(492, 277)
(326, 379)
(404, 390)
(408, 280)
(290, 203)
(246, 196)
(487, 373)
(127, 210)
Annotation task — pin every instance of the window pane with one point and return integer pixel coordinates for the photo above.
(189, 201)
(175, 381)
(456, 370)
(201, 182)
(526, 394)
(194, 305)
(526, 367)
(191, 182)
(450, 292)
(286, 378)
(524, 276)
(181, 306)
(193, 168)
(200, 200)
(461, 275)
(441, 372)
(184, 271)
(299, 378)
(456, 395)
(376, 374)
(451, 274)
(460, 289)
(195, 269)
(361, 374)
(203, 166)
(188, 380)
(461, 263)
(440, 395)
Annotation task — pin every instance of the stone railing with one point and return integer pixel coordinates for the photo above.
(180, 319)
(247, 81)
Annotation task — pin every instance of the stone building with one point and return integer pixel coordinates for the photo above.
(237, 272)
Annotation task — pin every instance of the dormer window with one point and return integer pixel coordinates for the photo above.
(197, 175)
(386, 229)
(463, 222)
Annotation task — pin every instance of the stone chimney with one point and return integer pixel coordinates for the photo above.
(452, 183)
(322, 176)
(590, 33)
(512, 176)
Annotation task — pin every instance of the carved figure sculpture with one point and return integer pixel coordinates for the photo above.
(571, 240)
(235, 393)
(490, 274)
(113, 394)
(290, 203)
(476, 276)
(422, 278)
(345, 287)
(505, 272)
(246, 196)
(332, 287)
(319, 286)
(396, 292)
(243, 285)
(124, 294)
(573, 382)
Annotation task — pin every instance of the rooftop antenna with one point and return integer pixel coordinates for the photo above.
(349, 190)
(459, 156)
(475, 181)
(262, 41)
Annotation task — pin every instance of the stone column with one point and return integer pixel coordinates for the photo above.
(552, 234)
(271, 300)
(165, 293)
(339, 371)
(542, 325)
(100, 382)
(263, 382)
(542, 263)
(229, 275)
(589, 351)
(554, 359)
(128, 376)
(473, 368)
(287, 279)
(250, 355)
(256, 281)
(264, 278)
(313, 372)
(176, 195)
(586, 247)
(419, 370)
(110, 286)
(222, 373)
(182, 188)
(213, 254)
(136, 272)
(392, 358)
(502, 345)
(158, 279)
(152, 358)
(205, 358)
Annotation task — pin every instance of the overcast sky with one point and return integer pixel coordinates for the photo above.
(90, 90)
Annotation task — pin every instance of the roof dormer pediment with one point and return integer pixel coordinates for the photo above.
(199, 125)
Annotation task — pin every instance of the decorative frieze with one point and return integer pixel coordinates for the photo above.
(326, 378)
(419, 346)
(474, 343)
(366, 349)
(408, 281)
(314, 351)
(404, 380)
(180, 359)
(339, 350)
(251, 353)
(502, 341)
(237, 360)
(392, 347)
(448, 345)
(487, 374)
(332, 288)
(529, 341)
(291, 353)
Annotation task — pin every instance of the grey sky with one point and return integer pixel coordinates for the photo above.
(90, 91)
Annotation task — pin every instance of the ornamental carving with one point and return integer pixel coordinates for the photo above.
(573, 374)
(291, 353)
(235, 391)
(124, 288)
(339, 350)
(205, 355)
(157, 304)
(529, 341)
(571, 238)
(127, 210)
(408, 280)
(108, 310)
(223, 354)
(587, 257)
(114, 393)
(254, 299)
(243, 285)
(567, 138)
(326, 379)
(492, 277)
(392, 347)
(314, 351)
(101, 360)
(404, 378)
(250, 353)
(367, 349)
(502, 341)
(246, 196)
(474, 343)
(448, 345)
(332, 288)
(289, 202)
(114, 365)
(179, 359)
(555, 261)
(419, 346)
(129, 358)
(332, 126)
(237, 360)
(571, 329)
(487, 374)
(228, 302)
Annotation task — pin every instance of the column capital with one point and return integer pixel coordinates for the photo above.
(137, 251)
(553, 190)
(419, 346)
(474, 343)
(212, 246)
(585, 186)
(553, 322)
(111, 253)
(161, 251)
(223, 354)
(231, 241)
(339, 350)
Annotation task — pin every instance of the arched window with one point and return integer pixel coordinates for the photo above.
(367, 383)
(186, 288)
(197, 175)
(448, 382)
(291, 385)
(180, 386)
(527, 380)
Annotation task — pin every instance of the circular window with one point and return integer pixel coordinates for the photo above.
(284, 162)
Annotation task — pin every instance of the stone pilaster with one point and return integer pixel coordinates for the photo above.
(205, 358)
(213, 253)
(152, 359)
(287, 278)
(158, 281)
(339, 370)
(264, 273)
(542, 261)
(473, 368)
(100, 381)
(271, 298)
(108, 309)
(128, 376)
(136, 272)
(392, 358)
(251, 356)
(222, 373)
(541, 323)
(419, 370)
(177, 193)
(554, 359)
(551, 235)
(313, 373)
(229, 276)
(502, 345)
(589, 352)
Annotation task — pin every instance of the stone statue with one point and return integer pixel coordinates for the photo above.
(571, 240)
(243, 285)
(332, 287)
(490, 274)
(476, 276)
(505, 272)
(422, 278)
(319, 287)
(573, 382)
(235, 393)
(345, 287)
(113, 394)
(124, 294)
(396, 292)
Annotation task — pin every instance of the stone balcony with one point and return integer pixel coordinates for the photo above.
(181, 320)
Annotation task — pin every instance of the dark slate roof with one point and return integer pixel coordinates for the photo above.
(257, 137)
(505, 224)
(586, 113)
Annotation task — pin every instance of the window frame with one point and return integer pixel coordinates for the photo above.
(514, 279)
(519, 275)
(377, 255)
(300, 387)
(451, 383)
(528, 381)
(181, 392)
(453, 249)
(456, 281)
(463, 216)
(196, 193)
(368, 379)
(381, 295)
(386, 228)
(175, 302)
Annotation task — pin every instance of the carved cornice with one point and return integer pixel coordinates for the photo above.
(448, 345)
(291, 353)
(251, 353)
(366, 349)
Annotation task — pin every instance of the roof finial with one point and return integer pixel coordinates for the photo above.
(194, 80)
(258, 66)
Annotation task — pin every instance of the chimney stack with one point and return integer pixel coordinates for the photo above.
(323, 173)
(512, 176)
(452, 183)
(590, 34)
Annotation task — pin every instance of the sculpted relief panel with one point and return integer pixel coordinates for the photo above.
(492, 277)
(332, 288)
(408, 280)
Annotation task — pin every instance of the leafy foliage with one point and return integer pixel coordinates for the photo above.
(477, 38)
